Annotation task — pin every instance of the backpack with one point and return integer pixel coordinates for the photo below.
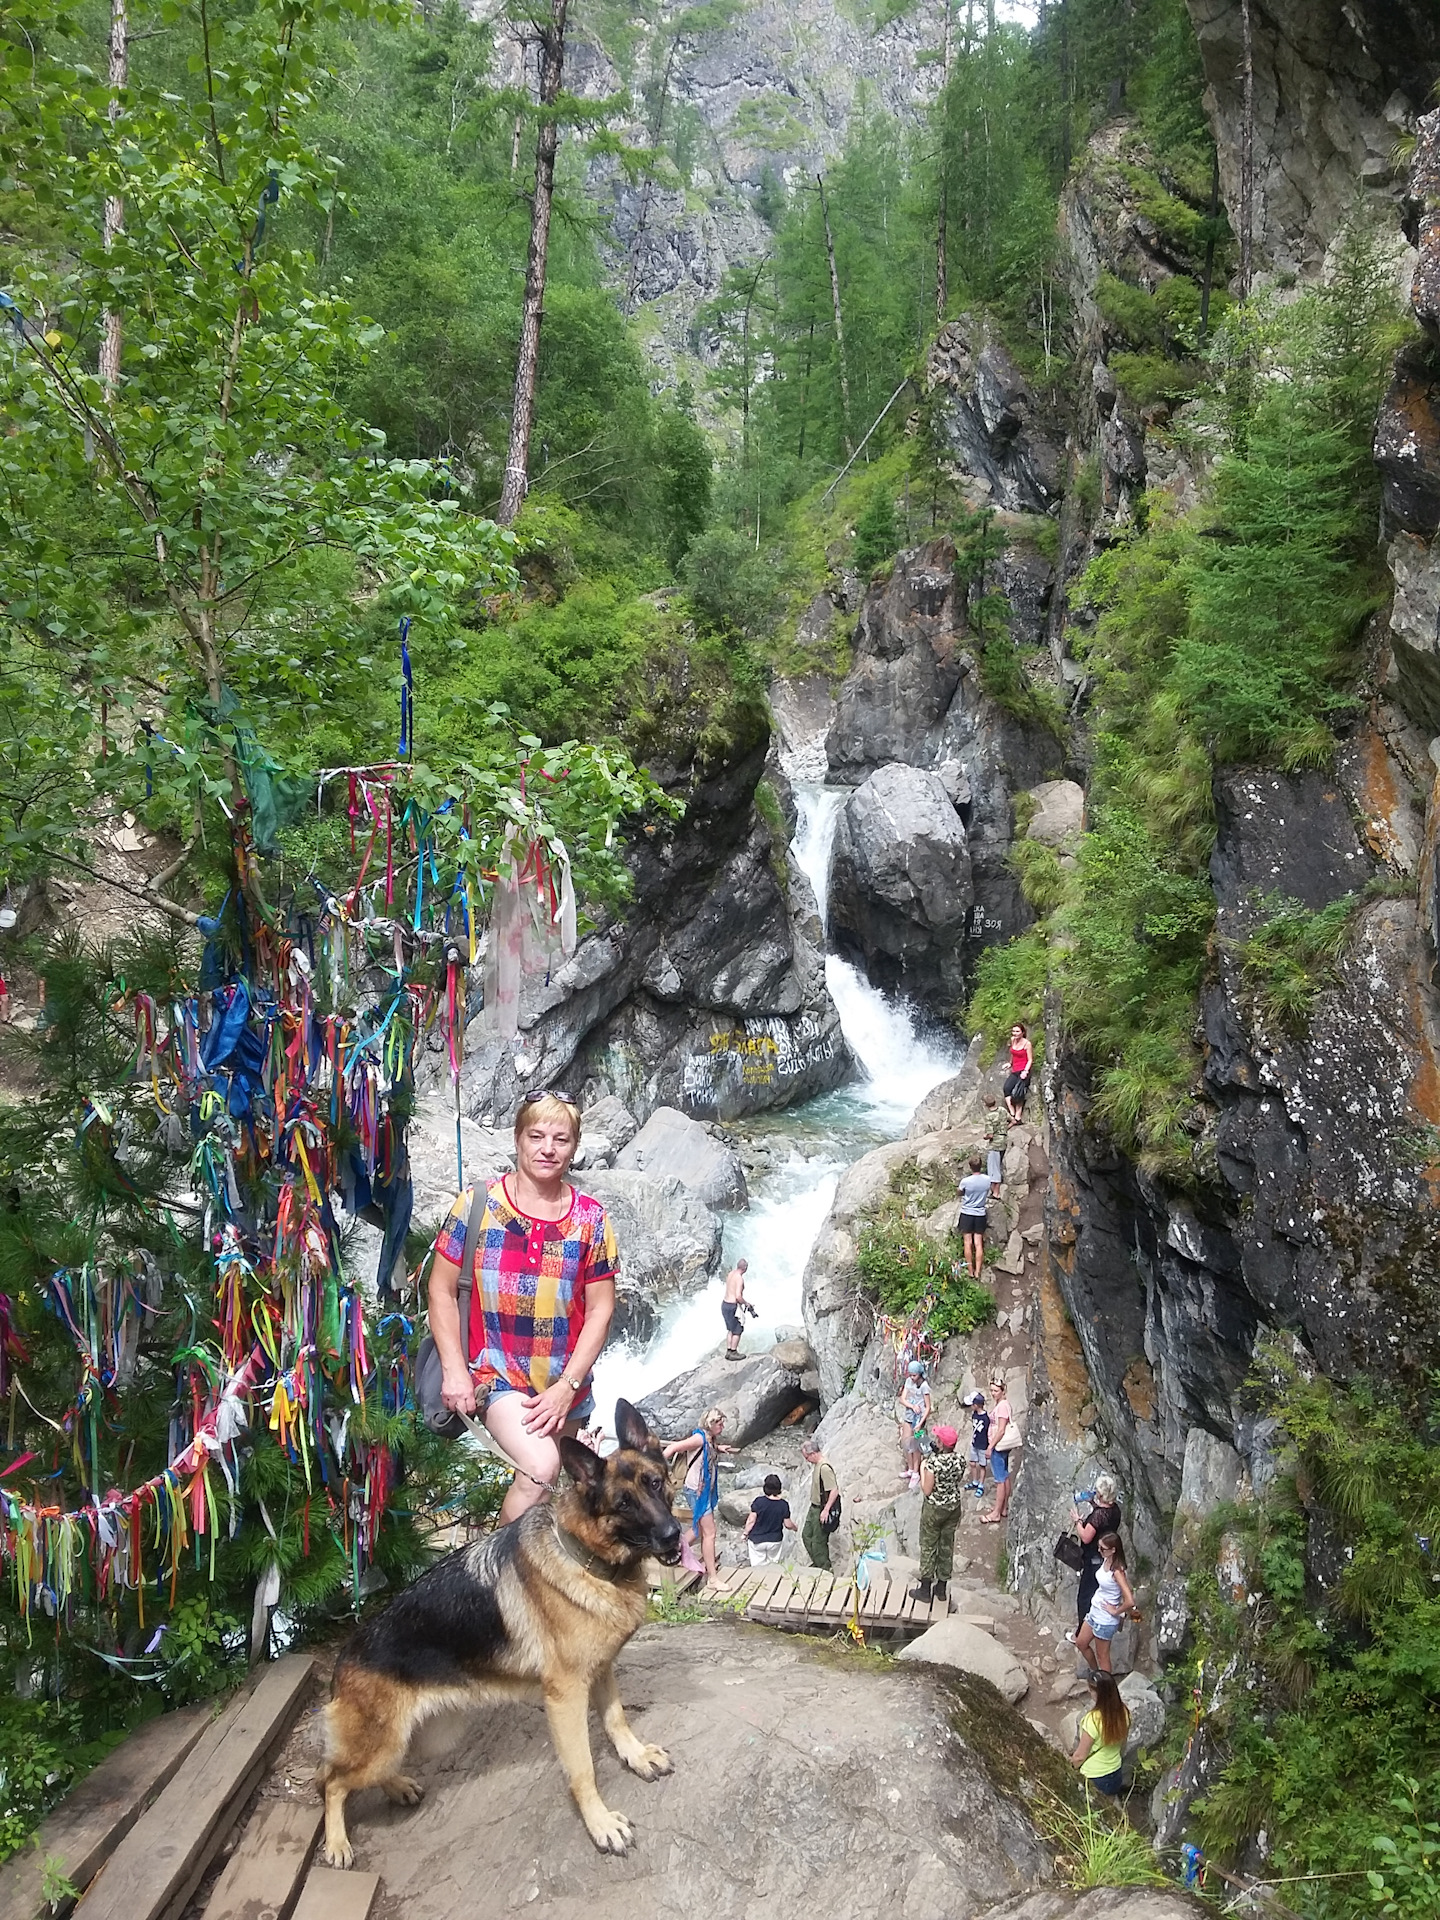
(431, 1410)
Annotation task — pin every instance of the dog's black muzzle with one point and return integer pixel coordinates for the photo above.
(665, 1545)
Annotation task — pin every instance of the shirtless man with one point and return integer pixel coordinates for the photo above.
(733, 1306)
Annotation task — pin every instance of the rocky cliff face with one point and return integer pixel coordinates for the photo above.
(1316, 1219)
(913, 700)
(730, 97)
(708, 994)
(1336, 84)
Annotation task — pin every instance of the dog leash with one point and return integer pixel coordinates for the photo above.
(480, 1432)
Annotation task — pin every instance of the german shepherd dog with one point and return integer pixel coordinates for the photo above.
(537, 1610)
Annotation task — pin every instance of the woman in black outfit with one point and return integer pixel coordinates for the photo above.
(1103, 1517)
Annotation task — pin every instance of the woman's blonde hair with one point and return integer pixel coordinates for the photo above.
(711, 1415)
(547, 1106)
(1104, 1488)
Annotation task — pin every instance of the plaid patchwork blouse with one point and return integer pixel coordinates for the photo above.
(530, 1279)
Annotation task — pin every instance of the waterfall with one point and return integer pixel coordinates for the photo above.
(901, 1055)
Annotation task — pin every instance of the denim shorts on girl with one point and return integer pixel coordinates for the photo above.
(1000, 1464)
(1102, 1629)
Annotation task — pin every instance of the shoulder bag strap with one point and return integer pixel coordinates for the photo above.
(465, 1286)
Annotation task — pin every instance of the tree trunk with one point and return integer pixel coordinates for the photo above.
(1209, 273)
(805, 389)
(1064, 89)
(942, 292)
(839, 321)
(110, 323)
(547, 140)
(1247, 153)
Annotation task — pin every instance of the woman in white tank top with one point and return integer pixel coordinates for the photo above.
(1113, 1602)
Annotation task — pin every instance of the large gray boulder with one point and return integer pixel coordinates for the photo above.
(607, 1126)
(957, 1643)
(672, 1145)
(900, 884)
(1147, 1714)
(804, 1782)
(668, 1238)
(755, 1394)
(1059, 817)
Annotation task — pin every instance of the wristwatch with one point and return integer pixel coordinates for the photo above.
(573, 1384)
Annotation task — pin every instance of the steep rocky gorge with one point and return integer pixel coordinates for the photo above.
(1314, 1220)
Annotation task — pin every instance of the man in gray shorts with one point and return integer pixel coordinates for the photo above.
(733, 1305)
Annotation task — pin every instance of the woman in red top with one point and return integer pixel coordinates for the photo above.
(543, 1299)
(1017, 1081)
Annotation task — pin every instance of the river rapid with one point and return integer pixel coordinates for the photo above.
(809, 1146)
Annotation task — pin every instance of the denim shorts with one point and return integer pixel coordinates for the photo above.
(1105, 1629)
(582, 1409)
(1000, 1464)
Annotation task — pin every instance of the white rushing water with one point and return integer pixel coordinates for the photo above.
(810, 1147)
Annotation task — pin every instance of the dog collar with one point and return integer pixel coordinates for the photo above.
(587, 1561)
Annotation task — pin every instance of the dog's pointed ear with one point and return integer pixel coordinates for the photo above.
(584, 1467)
(630, 1427)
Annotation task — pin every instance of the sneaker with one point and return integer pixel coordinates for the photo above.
(1071, 1638)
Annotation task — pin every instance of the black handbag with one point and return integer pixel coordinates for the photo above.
(431, 1410)
(1069, 1552)
(829, 1526)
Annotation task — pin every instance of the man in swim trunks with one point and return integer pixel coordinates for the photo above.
(733, 1305)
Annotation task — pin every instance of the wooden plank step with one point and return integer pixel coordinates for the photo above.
(763, 1588)
(775, 1602)
(873, 1598)
(802, 1599)
(730, 1578)
(261, 1880)
(819, 1594)
(92, 1819)
(331, 1895)
(896, 1600)
(842, 1596)
(162, 1859)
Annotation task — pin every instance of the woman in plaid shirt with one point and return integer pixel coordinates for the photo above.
(545, 1267)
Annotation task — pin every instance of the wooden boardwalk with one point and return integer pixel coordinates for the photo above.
(808, 1600)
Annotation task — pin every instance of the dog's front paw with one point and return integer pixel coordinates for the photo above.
(403, 1790)
(649, 1762)
(340, 1854)
(611, 1832)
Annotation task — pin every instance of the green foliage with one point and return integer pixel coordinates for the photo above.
(900, 1267)
(1096, 1846)
(734, 589)
(1130, 311)
(1042, 878)
(877, 538)
(1327, 1713)
(1409, 1885)
(1287, 962)
(203, 1651)
(1010, 983)
(37, 1764)
(1152, 379)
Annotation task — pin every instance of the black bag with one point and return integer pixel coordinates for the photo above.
(430, 1409)
(1069, 1552)
(829, 1526)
